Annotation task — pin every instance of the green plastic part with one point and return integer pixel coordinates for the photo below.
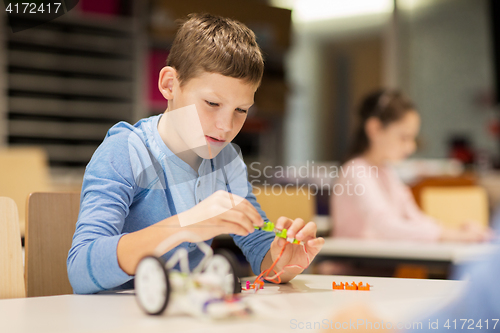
(268, 226)
(281, 233)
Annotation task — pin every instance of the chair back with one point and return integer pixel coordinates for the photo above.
(464, 180)
(292, 202)
(455, 205)
(23, 170)
(50, 225)
(11, 255)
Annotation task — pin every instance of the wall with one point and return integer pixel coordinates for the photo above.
(450, 67)
(308, 124)
(442, 60)
(354, 69)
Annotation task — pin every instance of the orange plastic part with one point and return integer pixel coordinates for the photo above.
(338, 286)
(361, 287)
(352, 286)
(259, 284)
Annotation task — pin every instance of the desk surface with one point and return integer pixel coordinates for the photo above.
(451, 252)
(308, 298)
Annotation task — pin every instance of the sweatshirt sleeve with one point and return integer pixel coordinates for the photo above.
(107, 193)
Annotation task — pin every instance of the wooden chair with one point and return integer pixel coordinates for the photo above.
(466, 179)
(293, 203)
(408, 271)
(51, 221)
(11, 255)
(23, 170)
(455, 205)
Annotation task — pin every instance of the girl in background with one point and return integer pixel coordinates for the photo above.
(374, 202)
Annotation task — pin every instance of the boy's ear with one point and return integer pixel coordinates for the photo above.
(166, 81)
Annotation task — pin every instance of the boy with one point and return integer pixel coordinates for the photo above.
(176, 171)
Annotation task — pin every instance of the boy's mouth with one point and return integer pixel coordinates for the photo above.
(215, 140)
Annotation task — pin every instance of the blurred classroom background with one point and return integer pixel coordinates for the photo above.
(66, 82)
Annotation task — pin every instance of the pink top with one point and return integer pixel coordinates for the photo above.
(372, 202)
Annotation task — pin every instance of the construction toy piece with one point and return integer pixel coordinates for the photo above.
(270, 227)
(338, 286)
(257, 284)
(361, 287)
(281, 233)
(352, 286)
(201, 291)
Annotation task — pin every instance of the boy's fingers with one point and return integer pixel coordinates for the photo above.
(316, 242)
(308, 231)
(281, 242)
(297, 225)
(283, 222)
(252, 213)
(238, 217)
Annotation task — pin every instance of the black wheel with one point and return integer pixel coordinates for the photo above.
(152, 285)
(224, 264)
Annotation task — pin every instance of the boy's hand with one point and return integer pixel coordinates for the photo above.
(294, 254)
(221, 213)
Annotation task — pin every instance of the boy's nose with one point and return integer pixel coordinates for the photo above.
(224, 123)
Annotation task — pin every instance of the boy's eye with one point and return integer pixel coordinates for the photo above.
(212, 104)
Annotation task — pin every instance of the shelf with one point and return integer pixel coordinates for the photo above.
(69, 80)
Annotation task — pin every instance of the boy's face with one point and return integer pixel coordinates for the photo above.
(222, 104)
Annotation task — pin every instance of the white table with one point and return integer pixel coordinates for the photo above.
(453, 253)
(308, 298)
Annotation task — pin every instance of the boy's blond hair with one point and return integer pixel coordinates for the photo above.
(215, 44)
